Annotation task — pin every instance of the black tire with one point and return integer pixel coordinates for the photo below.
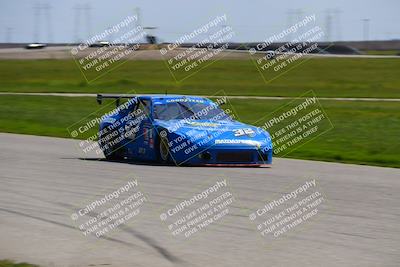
(111, 153)
(163, 148)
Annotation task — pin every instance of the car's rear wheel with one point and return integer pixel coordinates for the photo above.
(164, 156)
(112, 154)
(109, 152)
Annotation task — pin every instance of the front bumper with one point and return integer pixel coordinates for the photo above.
(234, 157)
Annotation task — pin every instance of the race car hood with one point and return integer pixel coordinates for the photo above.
(218, 133)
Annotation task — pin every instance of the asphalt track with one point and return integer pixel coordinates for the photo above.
(43, 179)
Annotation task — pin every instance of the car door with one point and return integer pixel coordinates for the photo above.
(139, 132)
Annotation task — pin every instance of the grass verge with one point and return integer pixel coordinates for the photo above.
(328, 77)
(8, 263)
(382, 52)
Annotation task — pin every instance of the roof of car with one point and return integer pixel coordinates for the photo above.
(168, 96)
(158, 97)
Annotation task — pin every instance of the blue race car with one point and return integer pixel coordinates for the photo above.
(180, 129)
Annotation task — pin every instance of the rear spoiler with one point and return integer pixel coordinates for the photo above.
(117, 98)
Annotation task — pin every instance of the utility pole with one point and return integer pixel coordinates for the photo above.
(87, 8)
(337, 13)
(9, 32)
(77, 18)
(366, 29)
(47, 12)
(289, 22)
(139, 16)
(328, 25)
(36, 22)
(299, 17)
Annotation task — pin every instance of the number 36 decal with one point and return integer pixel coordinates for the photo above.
(246, 131)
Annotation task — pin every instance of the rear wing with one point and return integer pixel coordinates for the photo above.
(117, 98)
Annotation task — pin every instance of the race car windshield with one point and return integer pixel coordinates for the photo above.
(188, 110)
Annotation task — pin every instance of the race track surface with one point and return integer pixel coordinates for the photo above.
(42, 180)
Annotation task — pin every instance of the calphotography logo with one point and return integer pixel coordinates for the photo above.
(199, 48)
(296, 123)
(108, 49)
(195, 214)
(283, 215)
(285, 50)
(102, 216)
(121, 127)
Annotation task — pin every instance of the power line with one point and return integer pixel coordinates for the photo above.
(338, 25)
(299, 17)
(328, 25)
(36, 21)
(47, 8)
(77, 18)
(366, 29)
(289, 22)
(139, 16)
(87, 9)
(82, 19)
(9, 32)
(42, 14)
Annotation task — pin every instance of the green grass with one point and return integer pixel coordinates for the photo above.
(332, 77)
(8, 263)
(363, 133)
(382, 52)
(47, 116)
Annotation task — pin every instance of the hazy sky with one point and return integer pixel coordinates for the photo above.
(251, 20)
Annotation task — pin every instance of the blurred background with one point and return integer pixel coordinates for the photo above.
(26, 21)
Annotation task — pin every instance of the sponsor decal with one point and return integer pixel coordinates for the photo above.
(185, 100)
(145, 134)
(202, 124)
(238, 141)
(151, 137)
